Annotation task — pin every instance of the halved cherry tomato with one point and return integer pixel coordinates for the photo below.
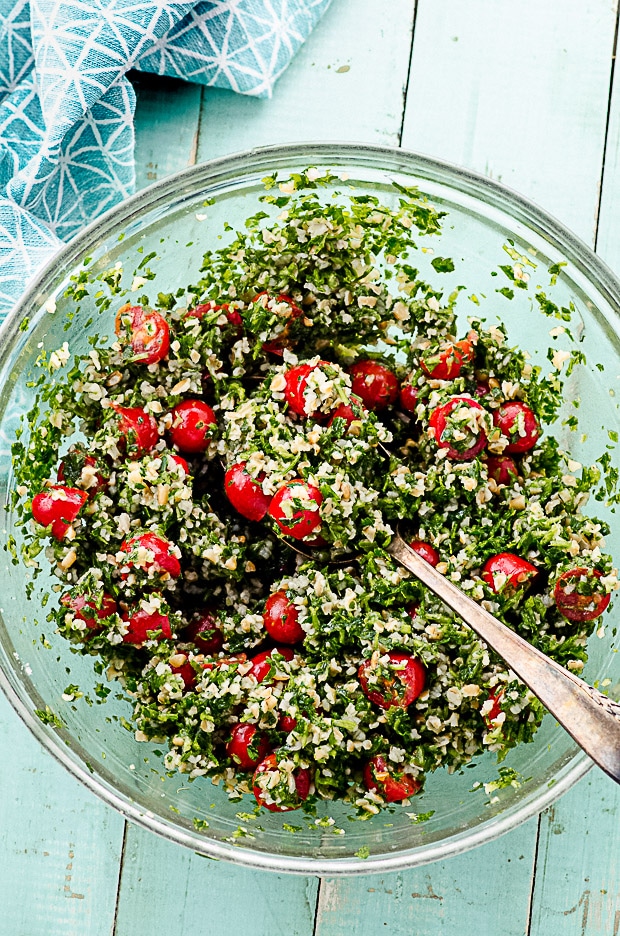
(193, 423)
(245, 493)
(425, 550)
(491, 715)
(233, 316)
(138, 429)
(302, 785)
(59, 506)
(296, 379)
(287, 723)
(90, 610)
(295, 508)
(408, 397)
(576, 595)
(517, 422)
(502, 469)
(456, 430)
(71, 469)
(281, 619)
(187, 673)
(141, 623)
(446, 361)
(397, 683)
(204, 633)
(146, 330)
(353, 412)
(262, 662)
(375, 384)
(505, 572)
(247, 746)
(150, 551)
(179, 460)
(387, 780)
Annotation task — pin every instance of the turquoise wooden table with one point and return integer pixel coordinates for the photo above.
(526, 93)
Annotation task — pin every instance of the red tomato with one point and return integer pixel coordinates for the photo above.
(146, 330)
(187, 673)
(496, 699)
(245, 493)
(158, 555)
(354, 412)
(192, 426)
(502, 469)
(408, 398)
(576, 595)
(90, 610)
(425, 550)
(392, 784)
(296, 379)
(287, 723)
(233, 316)
(399, 683)
(448, 429)
(281, 619)
(302, 786)
(71, 467)
(374, 383)
(295, 508)
(412, 611)
(261, 663)
(517, 422)
(59, 506)
(446, 362)
(247, 746)
(204, 633)
(514, 571)
(137, 428)
(179, 460)
(141, 623)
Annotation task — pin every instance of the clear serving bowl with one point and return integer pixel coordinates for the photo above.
(487, 226)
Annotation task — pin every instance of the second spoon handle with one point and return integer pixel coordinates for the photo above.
(591, 718)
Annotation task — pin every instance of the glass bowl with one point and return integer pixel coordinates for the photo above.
(486, 227)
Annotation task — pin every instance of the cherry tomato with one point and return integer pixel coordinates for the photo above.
(233, 316)
(149, 551)
(491, 715)
(375, 384)
(138, 429)
(296, 379)
(412, 611)
(408, 399)
(247, 746)
(295, 508)
(59, 506)
(502, 469)
(204, 633)
(187, 673)
(179, 460)
(287, 723)
(353, 412)
(262, 663)
(90, 610)
(513, 572)
(192, 426)
(397, 683)
(576, 595)
(294, 800)
(245, 493)
(141, 623)
(517, 422)
(456, 429)
(281, 619)
(146, 330)
(425, 550)
(446, 362)
(392, 784)
(71, 469)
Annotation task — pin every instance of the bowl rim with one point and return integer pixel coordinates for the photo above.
(37, 292)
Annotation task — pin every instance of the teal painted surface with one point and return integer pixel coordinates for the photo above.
(521, 92)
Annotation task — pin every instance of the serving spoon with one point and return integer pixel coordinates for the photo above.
(591, 718)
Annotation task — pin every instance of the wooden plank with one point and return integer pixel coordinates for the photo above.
(346, 83)
(168, 889)
(166, 126)
(60, 848)
(518, 92)
(578, 869)
(456, 897)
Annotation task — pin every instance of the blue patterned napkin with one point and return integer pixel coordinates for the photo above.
(66, 109)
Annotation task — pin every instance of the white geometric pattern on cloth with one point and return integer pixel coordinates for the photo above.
(66, 109)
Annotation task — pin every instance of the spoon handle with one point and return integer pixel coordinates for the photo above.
(591, 718)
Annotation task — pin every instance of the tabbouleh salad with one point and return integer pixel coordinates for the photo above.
(242, 453)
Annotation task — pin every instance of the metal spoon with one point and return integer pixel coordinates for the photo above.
(591, 718)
